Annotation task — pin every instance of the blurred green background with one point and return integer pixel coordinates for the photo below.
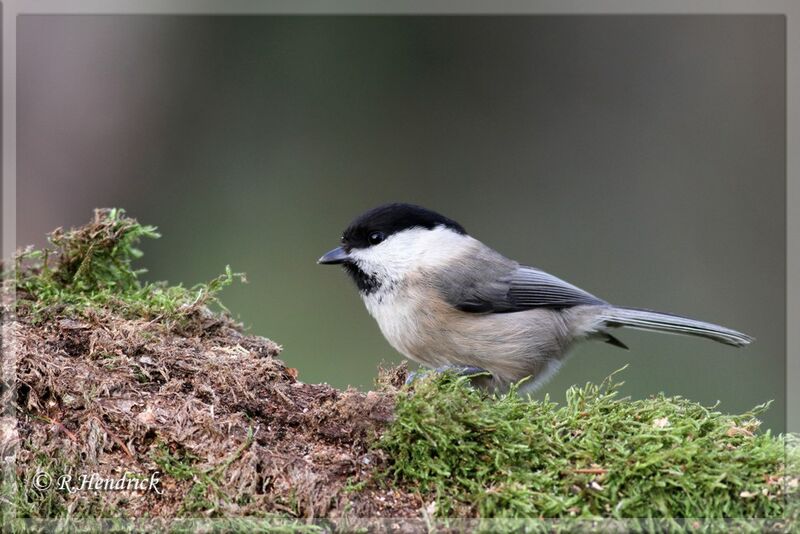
(641, 158)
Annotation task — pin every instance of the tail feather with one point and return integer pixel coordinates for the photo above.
(673, 324)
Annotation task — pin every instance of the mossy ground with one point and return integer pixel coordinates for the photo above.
(90, 269)
(596, 456)
(114, 374)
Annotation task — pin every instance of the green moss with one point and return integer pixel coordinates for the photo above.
(596, 456)
(91, 268)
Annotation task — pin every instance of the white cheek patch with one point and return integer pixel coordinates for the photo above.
(411, 250)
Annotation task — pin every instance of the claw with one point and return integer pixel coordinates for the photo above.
(411, 377)
(460, 370)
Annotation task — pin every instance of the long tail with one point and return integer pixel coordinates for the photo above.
(673, 324)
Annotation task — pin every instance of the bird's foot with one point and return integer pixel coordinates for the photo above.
(458, 370)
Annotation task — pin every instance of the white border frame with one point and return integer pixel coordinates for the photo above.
(11, 9)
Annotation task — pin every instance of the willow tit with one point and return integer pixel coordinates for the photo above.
(444, 299)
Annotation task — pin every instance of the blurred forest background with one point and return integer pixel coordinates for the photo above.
(639, 157)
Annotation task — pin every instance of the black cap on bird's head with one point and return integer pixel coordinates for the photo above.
(374, 226)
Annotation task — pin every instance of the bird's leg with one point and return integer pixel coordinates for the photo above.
(458, 370)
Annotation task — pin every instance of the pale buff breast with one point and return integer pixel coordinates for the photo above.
(412, 322)
(511, 346)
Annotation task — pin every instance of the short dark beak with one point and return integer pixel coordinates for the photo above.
(337, 255)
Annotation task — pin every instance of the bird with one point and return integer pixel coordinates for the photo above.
(447, 301)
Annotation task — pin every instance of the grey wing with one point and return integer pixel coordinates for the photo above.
(532, 288)
(511, 288)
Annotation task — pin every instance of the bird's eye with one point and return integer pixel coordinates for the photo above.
(376, 237)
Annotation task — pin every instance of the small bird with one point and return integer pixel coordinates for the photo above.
(447, 301)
